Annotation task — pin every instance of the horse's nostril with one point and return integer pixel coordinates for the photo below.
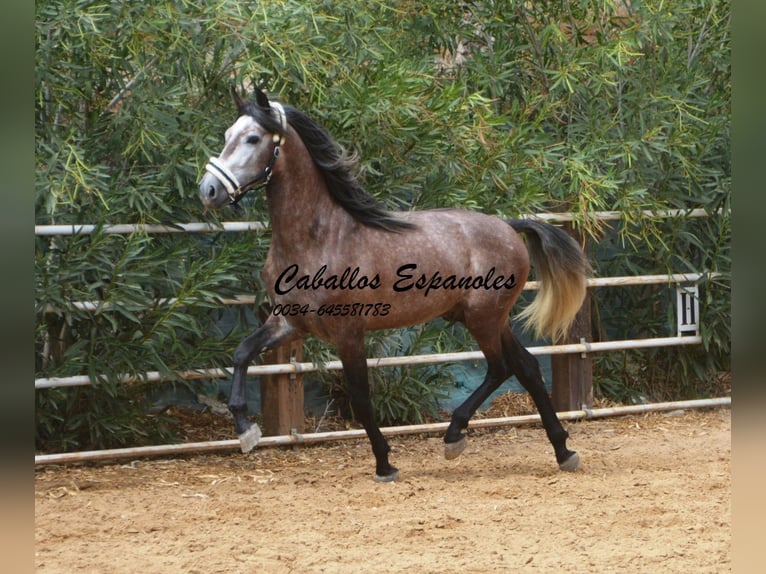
(211, 191)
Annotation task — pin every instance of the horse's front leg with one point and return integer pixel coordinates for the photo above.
(352, 355)
(275, 331)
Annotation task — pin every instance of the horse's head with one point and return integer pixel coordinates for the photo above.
(251, 148)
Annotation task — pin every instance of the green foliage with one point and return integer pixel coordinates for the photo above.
(108, 415)
(404, 394)
(506, 107)
(649, 311)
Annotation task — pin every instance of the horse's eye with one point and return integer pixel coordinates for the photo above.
(253, 139)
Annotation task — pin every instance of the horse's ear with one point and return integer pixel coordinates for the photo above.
(261, 98)
(238, 101)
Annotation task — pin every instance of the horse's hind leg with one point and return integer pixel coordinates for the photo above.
(527, 371)
(272, 333)
(497, 372)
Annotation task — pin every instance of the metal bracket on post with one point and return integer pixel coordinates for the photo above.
(687, 310)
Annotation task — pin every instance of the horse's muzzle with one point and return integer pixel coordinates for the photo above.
(212, 193)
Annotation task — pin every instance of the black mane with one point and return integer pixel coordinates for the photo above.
(336, 167)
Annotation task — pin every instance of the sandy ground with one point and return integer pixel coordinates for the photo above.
(653, 494)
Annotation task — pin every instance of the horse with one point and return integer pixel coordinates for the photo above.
(339, 264)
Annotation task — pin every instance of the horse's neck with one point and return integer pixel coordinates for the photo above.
(303, 214)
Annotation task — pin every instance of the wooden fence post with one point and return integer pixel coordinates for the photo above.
(573, 373)
(282, 394)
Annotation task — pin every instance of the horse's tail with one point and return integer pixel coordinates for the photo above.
(562, 269)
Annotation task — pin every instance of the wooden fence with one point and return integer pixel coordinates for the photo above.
(281, 375)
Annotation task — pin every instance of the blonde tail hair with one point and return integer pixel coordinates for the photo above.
(562, 270)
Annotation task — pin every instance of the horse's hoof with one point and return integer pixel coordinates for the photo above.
(387, 477)
(250, 438)
(453, 449)
(570, 464)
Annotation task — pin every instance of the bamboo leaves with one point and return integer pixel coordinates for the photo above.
(503, 107)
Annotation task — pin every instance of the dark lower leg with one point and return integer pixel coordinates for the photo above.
(527, 370)
(380, 449)
(266, 337)
(360, 401)
(355, 369)
(553, 428)
(462, 414)
(238, 402)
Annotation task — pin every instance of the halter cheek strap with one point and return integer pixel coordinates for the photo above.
(223, 174)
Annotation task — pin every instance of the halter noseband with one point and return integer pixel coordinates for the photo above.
(223, 174)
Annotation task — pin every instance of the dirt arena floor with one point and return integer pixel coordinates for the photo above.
(653, 494)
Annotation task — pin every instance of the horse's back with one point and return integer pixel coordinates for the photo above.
(477, 239)
(455, 263)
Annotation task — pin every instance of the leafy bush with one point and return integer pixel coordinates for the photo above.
(404, 394)
(504, 107)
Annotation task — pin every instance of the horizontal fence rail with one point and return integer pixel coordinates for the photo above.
(123, 228)
(528, 286)
(296, 368)
(293, 368)
(318, 437)
(427, 359)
